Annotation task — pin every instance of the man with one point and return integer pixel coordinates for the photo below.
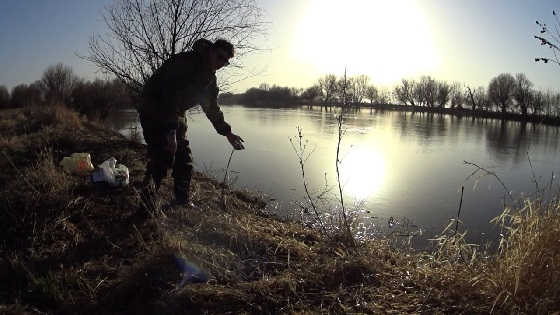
(183, 81)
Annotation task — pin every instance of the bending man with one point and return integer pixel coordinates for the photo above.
(183, 81)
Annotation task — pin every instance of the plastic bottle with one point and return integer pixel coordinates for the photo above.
(77, 163)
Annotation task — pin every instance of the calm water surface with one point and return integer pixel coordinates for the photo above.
(395, 164)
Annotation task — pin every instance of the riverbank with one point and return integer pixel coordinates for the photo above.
(69, 246)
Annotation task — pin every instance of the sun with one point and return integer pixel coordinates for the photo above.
(386, 40)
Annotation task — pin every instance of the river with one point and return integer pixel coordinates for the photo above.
(400, 165)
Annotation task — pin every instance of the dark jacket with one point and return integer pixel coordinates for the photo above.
(182, 82)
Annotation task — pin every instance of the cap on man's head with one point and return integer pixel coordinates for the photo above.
(225, 46)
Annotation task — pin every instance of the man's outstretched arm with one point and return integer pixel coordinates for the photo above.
(216, 117)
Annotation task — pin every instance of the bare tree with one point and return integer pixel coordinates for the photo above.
(4, 97)
(477, 98)
(24, 95)
(481, 98)
(471, 99)
(328, 87)
(500, 91)
(418, 94)
(555, 103)
(551, 38)
(358, 88)
(57, 82)
(312, 93)
(457, 95)
(264, 86)
(96, 99)
(383, 96)
(144, 33)
(425, 92)
(443, 93)
(551, 102)
(405, 92)
(296, 92)
(343, 90)
(522, 92)
(372, 94)
(19, 96)
(536, 101)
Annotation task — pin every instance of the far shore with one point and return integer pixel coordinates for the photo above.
(458, 112)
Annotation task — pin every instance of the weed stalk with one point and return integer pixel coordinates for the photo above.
(302, 158)
(340, 120)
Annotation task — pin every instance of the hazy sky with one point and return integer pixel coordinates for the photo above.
(469, 41)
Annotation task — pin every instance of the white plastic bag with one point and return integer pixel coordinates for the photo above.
(112, 173)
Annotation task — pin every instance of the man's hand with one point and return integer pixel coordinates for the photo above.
(235, 141)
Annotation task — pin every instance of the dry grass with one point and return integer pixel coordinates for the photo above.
(56, 115)
(69, 246)
(526, 273)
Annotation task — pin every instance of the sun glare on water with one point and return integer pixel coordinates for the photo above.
(386, 40)
(363, 172)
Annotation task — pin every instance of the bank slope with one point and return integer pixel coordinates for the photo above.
(71, 246)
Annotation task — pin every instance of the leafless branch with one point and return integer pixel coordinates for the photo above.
(142, 34)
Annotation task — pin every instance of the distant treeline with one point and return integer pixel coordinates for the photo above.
(508, 96)
(60, 86)
(265, 95)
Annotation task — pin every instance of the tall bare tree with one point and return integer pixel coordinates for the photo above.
(522, 92)
(481, 98)
(57, 82)
(328, 86)
(551, 102)
(343, 92)
(384, 96)
(554, 101)
(425, 92)
(142, 34)
(312, 93)
(477, 98)
(457, 95)
(536, 102)
(372, 94)
(471, 99)
(443, 93)
(358, 87)
(550, 37)
(404, 93)
(500, 91)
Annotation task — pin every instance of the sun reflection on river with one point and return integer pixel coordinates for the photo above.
(363, 172)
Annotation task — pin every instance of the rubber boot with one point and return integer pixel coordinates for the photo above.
(181, 194)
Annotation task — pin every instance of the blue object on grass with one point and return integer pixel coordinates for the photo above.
(191, 273)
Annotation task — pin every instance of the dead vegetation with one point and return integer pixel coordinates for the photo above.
(69, 246)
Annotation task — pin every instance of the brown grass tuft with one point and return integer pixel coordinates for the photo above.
(526, 272)
(54, 115)
(46, 177)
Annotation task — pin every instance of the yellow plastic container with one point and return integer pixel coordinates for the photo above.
(77, 163)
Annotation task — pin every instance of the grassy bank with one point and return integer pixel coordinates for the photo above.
(69, 246)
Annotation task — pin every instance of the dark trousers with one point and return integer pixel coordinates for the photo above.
(160, 160)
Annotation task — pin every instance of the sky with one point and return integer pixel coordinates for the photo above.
(468, 41)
